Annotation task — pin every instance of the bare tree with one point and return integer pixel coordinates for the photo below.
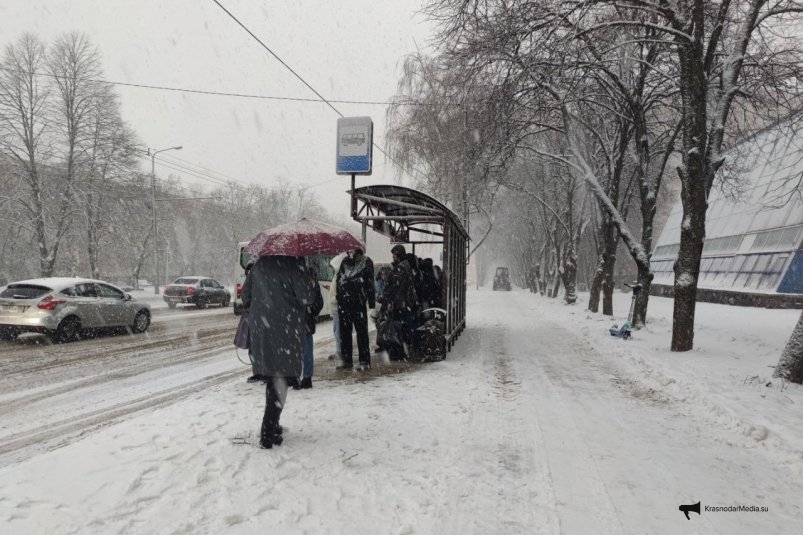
(446, 134)
(716, 55)
(24, 128)
(726, 57)
(75, 67)
(109, 151)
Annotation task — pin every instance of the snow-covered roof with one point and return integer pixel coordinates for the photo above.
(755, 191)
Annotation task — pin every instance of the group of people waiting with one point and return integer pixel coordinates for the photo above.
(401, 292)
(281, 297)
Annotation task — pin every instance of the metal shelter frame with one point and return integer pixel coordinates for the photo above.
(409, 216)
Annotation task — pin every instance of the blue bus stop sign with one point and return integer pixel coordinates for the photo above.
(354, 145)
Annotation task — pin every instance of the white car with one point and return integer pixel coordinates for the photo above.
(65, 308)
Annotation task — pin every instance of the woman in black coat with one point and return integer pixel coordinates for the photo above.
(277, 293)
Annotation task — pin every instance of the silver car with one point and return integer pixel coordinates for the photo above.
(64, 308)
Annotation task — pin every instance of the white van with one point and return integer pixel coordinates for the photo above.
(319, 262)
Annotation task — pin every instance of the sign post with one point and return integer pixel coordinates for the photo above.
(355, 141)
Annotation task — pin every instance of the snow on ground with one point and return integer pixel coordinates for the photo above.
(537, 422)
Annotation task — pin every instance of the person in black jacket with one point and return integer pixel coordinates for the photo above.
(312, 312)
(430, 288)
(401, 300)
(355, 290)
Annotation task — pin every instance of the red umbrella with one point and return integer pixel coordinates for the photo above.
(303, 238)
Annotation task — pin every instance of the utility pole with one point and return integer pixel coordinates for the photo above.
(153, 213)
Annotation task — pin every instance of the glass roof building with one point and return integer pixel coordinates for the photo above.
(754, 225)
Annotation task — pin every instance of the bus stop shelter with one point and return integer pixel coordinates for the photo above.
(409, 216)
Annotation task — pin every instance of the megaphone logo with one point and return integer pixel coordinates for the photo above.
(686, 509)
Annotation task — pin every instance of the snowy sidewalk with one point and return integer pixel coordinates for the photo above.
(726, 381)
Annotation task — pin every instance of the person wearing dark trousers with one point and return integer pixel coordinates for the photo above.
(355, 291)
(401, 301)
(277, 293)
(312, 312)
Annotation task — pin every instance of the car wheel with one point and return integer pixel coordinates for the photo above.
(141, 321)
(68, 330)
(7, 334)
(170, 304)
(201, 303)
(225, 302)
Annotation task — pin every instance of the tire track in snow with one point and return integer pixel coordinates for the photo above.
(499, 444)
(51, 436)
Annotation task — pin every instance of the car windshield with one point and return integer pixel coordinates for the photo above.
(25, 291)
(185, 281)
(245, 258)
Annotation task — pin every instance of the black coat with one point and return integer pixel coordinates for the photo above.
(277, 292)
(400, 290)
(355, 284)
(314, 309)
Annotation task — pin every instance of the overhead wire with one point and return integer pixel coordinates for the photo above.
(222, 93)
(229, 181)
(319, 95)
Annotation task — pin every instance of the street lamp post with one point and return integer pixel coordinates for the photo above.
(153, 212)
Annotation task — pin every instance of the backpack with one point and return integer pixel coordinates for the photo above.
(351, 284)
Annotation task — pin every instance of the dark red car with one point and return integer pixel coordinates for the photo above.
(198, 291)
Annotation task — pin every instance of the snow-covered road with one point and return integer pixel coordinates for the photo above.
(530, 426)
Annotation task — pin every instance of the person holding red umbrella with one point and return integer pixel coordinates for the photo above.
(277, 294)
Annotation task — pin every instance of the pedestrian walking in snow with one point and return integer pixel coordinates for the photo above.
(277, 293)
(355, 290)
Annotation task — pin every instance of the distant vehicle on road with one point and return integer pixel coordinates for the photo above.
(196, 290)
(66, 308)
(502, 279)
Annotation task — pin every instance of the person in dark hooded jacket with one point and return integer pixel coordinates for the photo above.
(355, 290)
(430, 288)
(277, 293)
(401, 300)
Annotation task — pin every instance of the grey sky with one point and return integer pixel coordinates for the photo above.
(346, 49)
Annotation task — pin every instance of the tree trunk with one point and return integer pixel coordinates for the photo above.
(555, 286)
(611, 240)
(687, 266)
(643, 298)
(569, 277)
(91, 241)
(596, 286)
(790, 367)
(693, 193)
(143, 252)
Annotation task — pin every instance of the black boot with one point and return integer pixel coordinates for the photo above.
(306, 382)
(268, 440)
